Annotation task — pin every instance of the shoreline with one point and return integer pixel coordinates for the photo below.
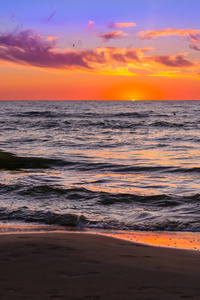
(165, 239)
(91, 267)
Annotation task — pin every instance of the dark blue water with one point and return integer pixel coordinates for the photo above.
(101, 164)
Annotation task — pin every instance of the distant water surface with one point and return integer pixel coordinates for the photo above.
(101, 164)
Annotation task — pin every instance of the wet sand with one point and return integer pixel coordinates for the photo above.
(167, 239)
(92, 267)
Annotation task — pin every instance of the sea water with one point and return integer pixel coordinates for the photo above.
(100, 164)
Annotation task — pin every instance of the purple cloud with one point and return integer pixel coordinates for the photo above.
(33, 49)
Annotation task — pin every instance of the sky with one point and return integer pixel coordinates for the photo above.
(100, 50)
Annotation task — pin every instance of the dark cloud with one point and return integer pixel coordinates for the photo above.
(195, 37)
(195, 42)
(195, 47)
(112, 35)
(177, 61)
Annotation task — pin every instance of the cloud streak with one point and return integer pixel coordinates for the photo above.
(12, 18)
(52, 15)
(151, 34)
(122, 25)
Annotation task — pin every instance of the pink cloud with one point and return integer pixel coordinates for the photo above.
(121, 25)
(150, 34)
(90, 25)
(193, 35)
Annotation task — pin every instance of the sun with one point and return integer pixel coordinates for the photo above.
(133, 91)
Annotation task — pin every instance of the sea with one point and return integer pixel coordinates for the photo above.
(103, 165)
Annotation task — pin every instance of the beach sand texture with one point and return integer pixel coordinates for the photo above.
(92, 267)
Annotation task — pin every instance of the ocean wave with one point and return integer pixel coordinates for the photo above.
(99, 197)
(10, 161)
(159, 201)
(170, 225)
(35, 114)
(166, 124)
(58, 114)
(111, 124)
(43, 217)
(43, 191)
(133, 114)
(145, 223)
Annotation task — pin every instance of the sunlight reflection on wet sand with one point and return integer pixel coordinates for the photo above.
(181, 240)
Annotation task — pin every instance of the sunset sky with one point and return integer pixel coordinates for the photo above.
(100, 50)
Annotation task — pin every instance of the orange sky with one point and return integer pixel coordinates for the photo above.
(143, 50)
(34, 84)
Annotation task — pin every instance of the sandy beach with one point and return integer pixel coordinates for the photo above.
(88, 266)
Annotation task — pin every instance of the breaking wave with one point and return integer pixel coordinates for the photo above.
(10, 161)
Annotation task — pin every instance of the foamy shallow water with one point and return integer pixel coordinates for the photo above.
(177, 240)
